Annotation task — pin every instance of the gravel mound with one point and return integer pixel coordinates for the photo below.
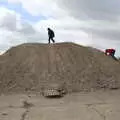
(30, 67)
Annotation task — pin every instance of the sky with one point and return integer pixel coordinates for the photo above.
(94, 23)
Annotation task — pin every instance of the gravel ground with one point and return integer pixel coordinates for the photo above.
(30, 67)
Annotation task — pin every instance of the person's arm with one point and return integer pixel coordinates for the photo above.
(48, 33)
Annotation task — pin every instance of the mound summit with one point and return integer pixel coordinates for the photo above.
(29, 67)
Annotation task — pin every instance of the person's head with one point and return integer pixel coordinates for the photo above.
(48, 28)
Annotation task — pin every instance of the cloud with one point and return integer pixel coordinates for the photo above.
(14, 30)
(9, 22)
(109, 34)
(94, 9)
(27, 29)
(47, 8)
(9, 19)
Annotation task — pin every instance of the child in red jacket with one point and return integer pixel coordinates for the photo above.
(110, 52)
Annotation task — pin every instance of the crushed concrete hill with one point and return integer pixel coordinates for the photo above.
(29, 67)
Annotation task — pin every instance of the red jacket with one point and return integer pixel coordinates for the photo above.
(109, 51)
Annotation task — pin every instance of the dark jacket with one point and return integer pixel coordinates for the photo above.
(51, 33)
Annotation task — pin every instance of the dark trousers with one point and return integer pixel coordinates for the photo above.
(51, 38)
(113, 54)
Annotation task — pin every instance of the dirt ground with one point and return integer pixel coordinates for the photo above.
(31, 67)
(100, 105)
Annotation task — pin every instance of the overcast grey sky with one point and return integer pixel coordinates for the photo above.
(86, 22)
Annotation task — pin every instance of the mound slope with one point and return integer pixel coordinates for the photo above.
(29, 67)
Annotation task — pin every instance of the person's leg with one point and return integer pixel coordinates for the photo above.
(53, 40)
(113, 53)
(49, 40)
